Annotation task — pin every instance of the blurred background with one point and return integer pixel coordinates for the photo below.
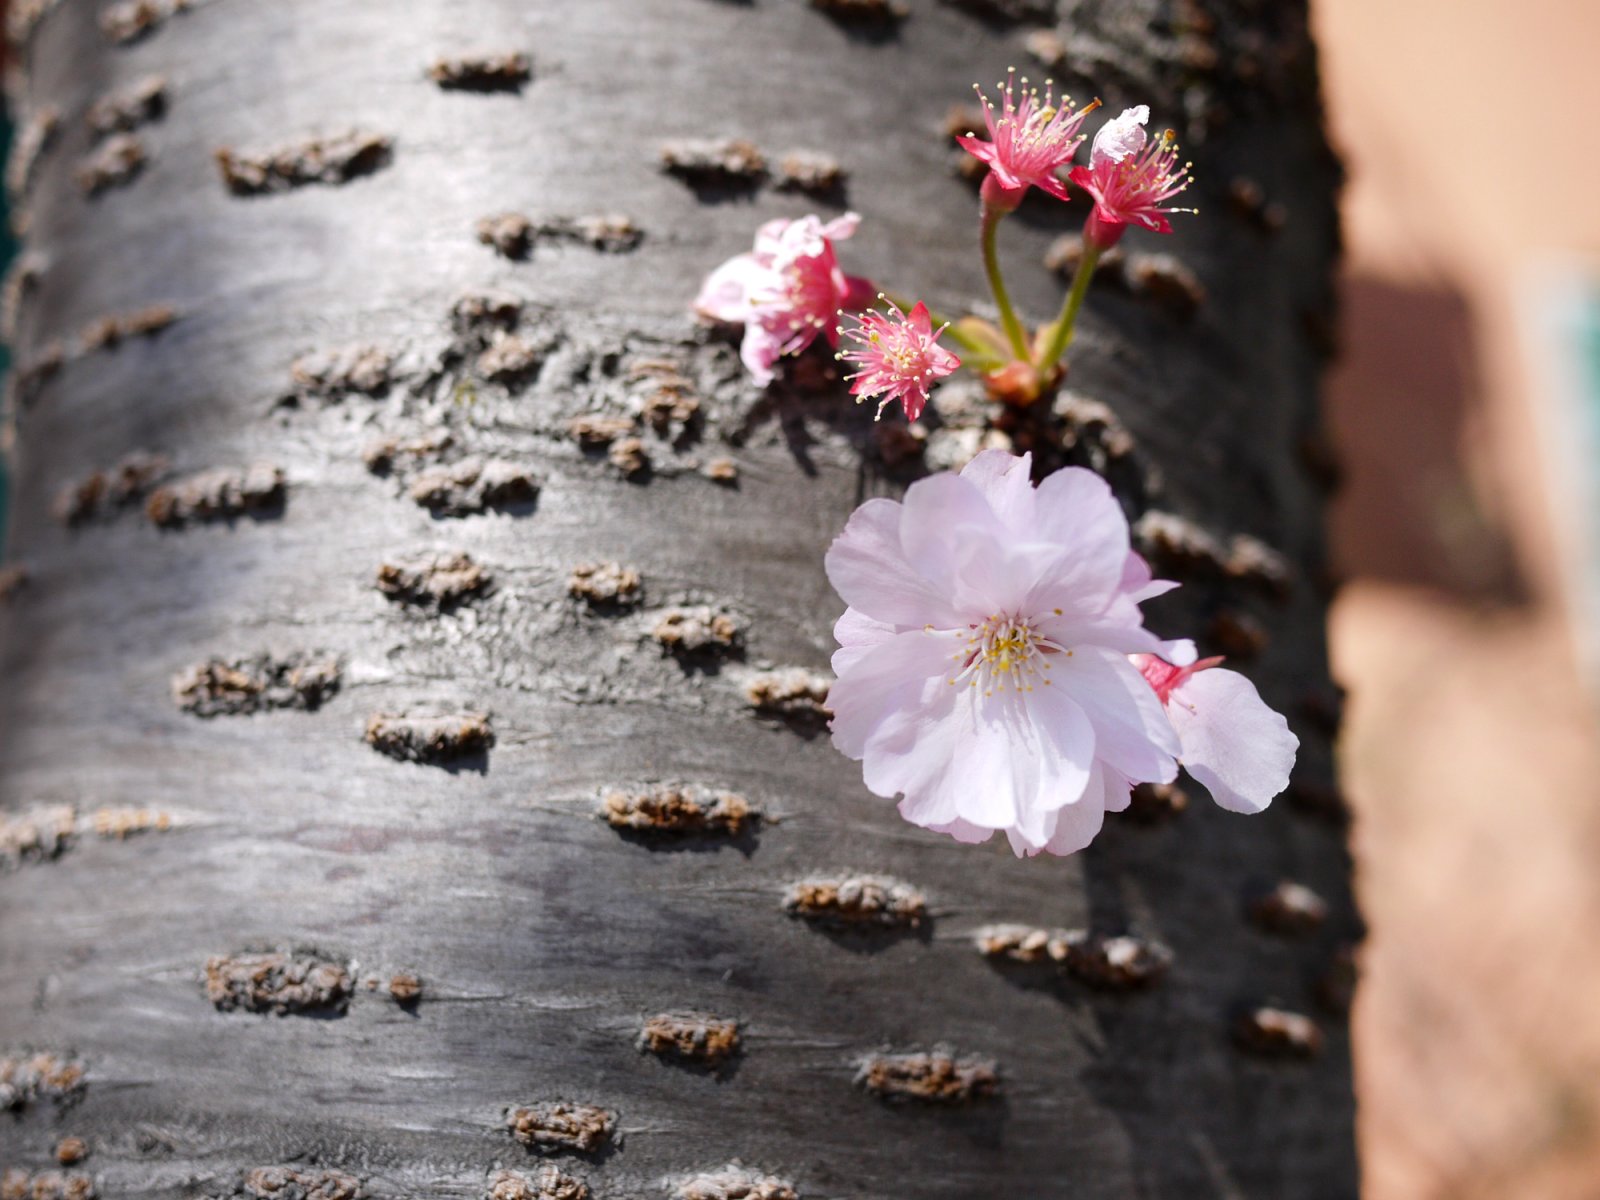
(1466, 409)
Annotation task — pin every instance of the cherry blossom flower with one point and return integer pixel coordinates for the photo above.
(899, 357)
(1231, 742)
(786, 291)
(1029, 141)
(1131, 176)
(983, 665)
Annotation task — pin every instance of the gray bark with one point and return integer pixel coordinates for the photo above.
(544, 938)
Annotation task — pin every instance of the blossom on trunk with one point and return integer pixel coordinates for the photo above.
(1030, 139)
(1131, 177)
(787, 290)
(1231, 742)
(898, 356)
(983, 671)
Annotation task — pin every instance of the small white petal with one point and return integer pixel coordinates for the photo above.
(1235, 745)
(1120, 137)
(841, 227)
(725, 295)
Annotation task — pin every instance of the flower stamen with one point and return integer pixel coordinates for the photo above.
(1005, 653)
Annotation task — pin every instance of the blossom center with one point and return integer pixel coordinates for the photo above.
(800, 302)
(1006, 653)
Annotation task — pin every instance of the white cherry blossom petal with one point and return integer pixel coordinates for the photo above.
(1076, 511)
(871, 572)
(934, 508)
(1006, 483)
(841, 227)
(1233, 743)
(963, 831)
(884, 679)
(725, 295)
(1132, 733)
(857, 633)
(1121, 137)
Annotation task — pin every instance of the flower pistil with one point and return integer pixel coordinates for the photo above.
(1006, 652)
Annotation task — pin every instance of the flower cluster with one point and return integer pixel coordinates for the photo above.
(790, 287)
(994, 670)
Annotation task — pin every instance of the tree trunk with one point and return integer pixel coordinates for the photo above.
(250, 780)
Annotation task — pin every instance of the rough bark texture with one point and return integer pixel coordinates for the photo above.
(386, 938)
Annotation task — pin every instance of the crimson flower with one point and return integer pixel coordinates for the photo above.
(898, 356)
(1030, 139)
(1131, 177)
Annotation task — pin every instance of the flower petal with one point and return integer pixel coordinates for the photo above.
(887, 678)
(1235, 745)
(1140, 583)
(963, 831)
(1075, 509)
(1052, 184)
(1070, 743)
(857, 633)
(1072, 828)
(1131, 731)
(870, 571)
(1118, 792)
(760, 352)
(934, 509)
(841, 226)
(1121, 137)
(1007, 484)
(985, 761)
(725, 295)
(911, 754)
(995, 772)
(1118, 629)
(981, 150)
(770, 238)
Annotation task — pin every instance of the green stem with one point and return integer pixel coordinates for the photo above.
(1061, 332)
(991, 267)
(969, 344)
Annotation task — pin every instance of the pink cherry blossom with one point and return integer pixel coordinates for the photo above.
(1029, 141)
(983, 664)
(899, 357)
(1131, 177)
(786, 291)
(1231, 742)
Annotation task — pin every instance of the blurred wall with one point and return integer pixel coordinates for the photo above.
(1470, 744)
